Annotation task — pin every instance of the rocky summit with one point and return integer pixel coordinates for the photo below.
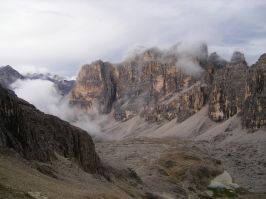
(173, 84)
(8, 75)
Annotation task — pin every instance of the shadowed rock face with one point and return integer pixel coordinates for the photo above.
(254, 112)
(239, 89)
(8, 75)
(38, 136)
(238, 57)
(227, 92)
(216, 61)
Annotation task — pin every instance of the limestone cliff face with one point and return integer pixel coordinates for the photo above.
(146, 84)
(95, 85)
(153, 85)
(38, 136)
(239, 89)
(180, 106)
(228, 91)
(254, 112)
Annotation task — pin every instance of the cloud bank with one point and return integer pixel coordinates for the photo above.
(59, 36)
(51, 102)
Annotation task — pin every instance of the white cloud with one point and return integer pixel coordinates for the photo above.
(61, 35)
(51, 102)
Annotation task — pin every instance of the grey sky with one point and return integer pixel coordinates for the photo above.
(59, 36)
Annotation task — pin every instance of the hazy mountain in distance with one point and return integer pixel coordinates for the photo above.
(63, 85)
(8, 75)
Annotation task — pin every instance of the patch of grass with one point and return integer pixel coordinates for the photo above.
(222, 192)
(9, 193)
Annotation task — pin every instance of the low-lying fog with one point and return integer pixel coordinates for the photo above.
(44, 95)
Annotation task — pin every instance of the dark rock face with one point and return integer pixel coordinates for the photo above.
(227, 92)
(254, 112)
(216, 61)
(38, 136)
(95, 83)
(239, 89)
(8, 75)
(238, 57)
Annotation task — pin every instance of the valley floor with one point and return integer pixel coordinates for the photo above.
(241, 152)
(148, 161)
(168, 168)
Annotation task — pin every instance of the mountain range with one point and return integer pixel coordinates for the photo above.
(175, 123)
(8, 75)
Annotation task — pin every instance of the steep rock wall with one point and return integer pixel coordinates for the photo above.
(38, 136)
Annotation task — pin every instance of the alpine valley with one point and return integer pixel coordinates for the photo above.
(174, 123)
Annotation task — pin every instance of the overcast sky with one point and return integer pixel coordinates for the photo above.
(59, 36)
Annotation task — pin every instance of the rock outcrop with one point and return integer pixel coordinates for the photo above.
(228, 90)
(254, 111)
(216, 61)
(38, 136)
(238, 57)
(145, 84)
(8, 75)
(239, 89)
(95, 83)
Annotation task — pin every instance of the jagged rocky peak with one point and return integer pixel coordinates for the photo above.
(261, 61)
(227, 91)
(238, 58)
(41, 137)
(216, 61)
(95, 85)
(240, 90)
(153, 85)
(8, 75)
(254, 114)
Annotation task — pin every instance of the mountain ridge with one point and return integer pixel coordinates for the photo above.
(9, 75)
(159, 90)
